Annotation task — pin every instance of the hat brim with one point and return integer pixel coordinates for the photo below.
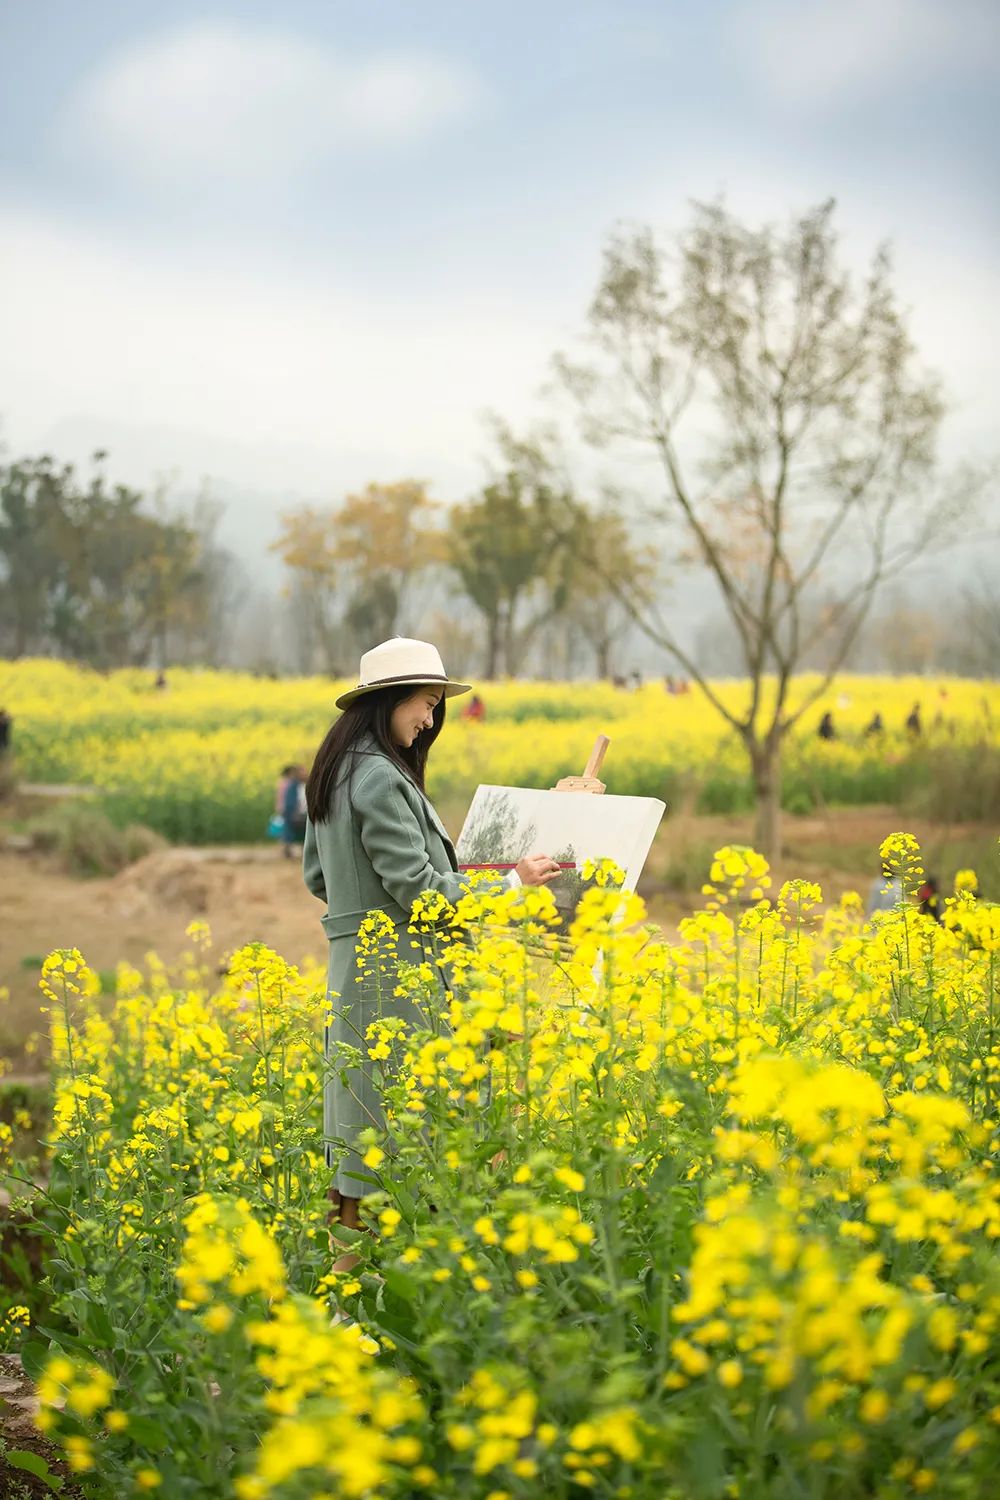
(451, 689)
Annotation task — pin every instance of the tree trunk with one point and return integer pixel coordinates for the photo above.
(765, 765)
(602, 649)
(508, 639)
(492, 645)
(20, 635)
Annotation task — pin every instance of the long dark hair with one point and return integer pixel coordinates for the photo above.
(367, 717)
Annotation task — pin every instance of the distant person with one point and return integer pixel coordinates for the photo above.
(279, 791)
(161, 681)
(930, 900)
(475, 710)
(636, 681)
(913, 724)
(875, 726)
(885, 894)
(6, 728)
(940, 721)
(276, 822)
(826, 730)
(293, 811)
(671, 686)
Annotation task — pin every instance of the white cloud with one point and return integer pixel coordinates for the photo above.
(263, 377)
(813, 53)
(222, 102)
(294, 379)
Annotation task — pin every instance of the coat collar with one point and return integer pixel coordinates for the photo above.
(368, 745)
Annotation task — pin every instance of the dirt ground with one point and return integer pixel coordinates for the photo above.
(245, 895)
(251, 893)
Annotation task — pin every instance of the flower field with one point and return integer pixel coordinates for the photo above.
(198, 763)
(711, 1218)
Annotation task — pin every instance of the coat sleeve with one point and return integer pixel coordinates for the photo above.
(395, 842)
(312, 870)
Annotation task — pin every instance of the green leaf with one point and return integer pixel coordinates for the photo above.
(34, 1357)
(346, 1236)
(596, 1284)
(406, 1201)
(401, 1283)
(399, 1327)
(57, 1264)
(31, 1463)
(376, 1182)
(74, 1252)
(62, 1341)
(98, 1325)
(149, 1433)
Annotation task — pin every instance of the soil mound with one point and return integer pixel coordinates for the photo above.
(178, 879)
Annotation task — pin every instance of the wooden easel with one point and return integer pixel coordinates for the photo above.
(588, 782)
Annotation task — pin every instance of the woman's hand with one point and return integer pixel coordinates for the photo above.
(537, 869)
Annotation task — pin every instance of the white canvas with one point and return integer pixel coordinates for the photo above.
(504, 823)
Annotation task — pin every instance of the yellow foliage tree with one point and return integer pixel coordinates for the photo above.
(353, 566)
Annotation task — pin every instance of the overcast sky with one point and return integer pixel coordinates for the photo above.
(295, 247)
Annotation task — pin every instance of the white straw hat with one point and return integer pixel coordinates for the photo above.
(398, 662)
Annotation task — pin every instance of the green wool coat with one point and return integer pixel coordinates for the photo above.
(380, 846)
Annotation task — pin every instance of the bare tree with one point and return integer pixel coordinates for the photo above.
(974, 643)
(810, 444)
(606, 563)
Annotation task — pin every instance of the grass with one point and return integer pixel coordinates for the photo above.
(87, 843)
(960, 784)
(30, 1094)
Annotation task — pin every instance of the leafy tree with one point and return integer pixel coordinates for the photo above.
(506, 549)
(585, 555)
(194, 585)
(794, 435)
(353, 568)
(385, 540)
(30, 563)
(307, 545)
(88, 571)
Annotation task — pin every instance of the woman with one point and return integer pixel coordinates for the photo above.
(373, 841)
